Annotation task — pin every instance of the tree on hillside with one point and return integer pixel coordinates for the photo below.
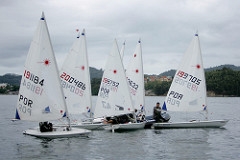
(158, 87)
(223, 82)
(95, 84)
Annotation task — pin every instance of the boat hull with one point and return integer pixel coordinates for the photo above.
(90, 126)
(125, 127)
(192, 124)
(97, 124)
(149, 123)
(60, 132)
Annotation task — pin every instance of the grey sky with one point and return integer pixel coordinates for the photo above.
(165, 27)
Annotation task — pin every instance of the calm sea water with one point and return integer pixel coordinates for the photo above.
(142, 144)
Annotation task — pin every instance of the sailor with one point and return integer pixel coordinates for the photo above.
(139, 116)
(157, 113)
(111, 120)
(45, 126)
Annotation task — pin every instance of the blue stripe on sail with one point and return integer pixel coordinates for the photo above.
(164, 107)
(64, 115)
(17, 115)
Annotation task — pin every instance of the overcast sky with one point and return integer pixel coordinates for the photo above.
(165, 28)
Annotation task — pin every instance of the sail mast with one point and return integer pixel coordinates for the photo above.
(142, 78)
(122, 49)
(88, 79)
(204, 83)
(57, 70)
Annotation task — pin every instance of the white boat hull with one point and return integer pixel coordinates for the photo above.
(60, 132)
(125, 127)
(97, 124)
(90, 126)
(192, 124)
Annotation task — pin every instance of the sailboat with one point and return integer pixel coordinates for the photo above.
(188, 91)
(75, 80)
(41, 96)
(135, 78)
(114, 99)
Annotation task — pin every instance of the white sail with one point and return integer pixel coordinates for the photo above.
(114, 96)
(40, 96)
(135, 78)
(75, 77)
(188, 88)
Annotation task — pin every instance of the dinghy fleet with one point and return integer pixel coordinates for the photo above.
(48, 94)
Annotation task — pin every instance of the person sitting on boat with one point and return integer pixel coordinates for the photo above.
(45, 126)
(123, 119)
(139, 116)
(111, 120)
(157, 113)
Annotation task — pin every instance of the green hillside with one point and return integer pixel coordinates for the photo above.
(222, 80)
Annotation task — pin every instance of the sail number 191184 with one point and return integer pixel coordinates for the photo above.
(35, 79)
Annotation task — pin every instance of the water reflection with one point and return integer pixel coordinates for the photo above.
(143, 144)
(184, 144)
